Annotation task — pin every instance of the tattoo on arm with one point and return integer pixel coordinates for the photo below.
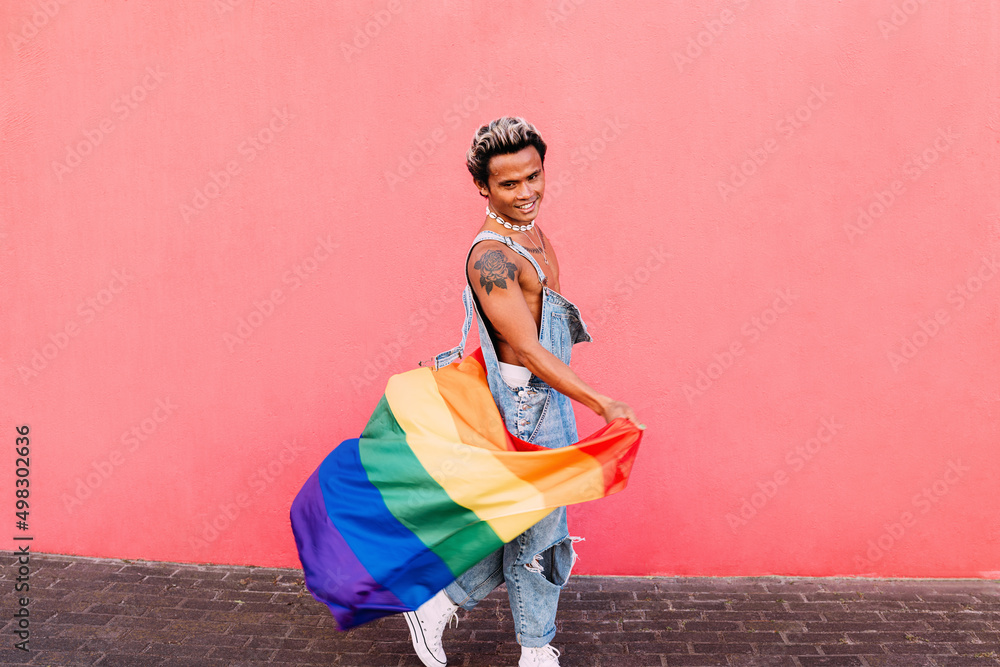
(494, 270)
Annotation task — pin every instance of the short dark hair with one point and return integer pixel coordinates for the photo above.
(505, 135)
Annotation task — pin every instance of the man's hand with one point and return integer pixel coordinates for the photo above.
(613, 409)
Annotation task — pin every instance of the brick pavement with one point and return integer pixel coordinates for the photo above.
(88, 611)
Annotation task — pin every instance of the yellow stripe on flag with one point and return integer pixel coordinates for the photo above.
(464, 472)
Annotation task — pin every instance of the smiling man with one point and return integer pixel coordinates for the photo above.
(527, 329)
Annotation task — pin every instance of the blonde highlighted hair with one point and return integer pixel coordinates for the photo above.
(505, 135)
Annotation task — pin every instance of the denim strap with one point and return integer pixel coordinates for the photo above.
(455, 353)
(513, 245)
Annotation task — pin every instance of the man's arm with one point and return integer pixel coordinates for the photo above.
(494, 276)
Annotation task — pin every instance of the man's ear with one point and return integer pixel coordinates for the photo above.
(484, 189)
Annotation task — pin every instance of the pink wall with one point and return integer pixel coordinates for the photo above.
(225, 224)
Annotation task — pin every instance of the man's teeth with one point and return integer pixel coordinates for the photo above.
(528, 205)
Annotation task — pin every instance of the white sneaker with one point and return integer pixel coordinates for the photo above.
(427, 625)
(546, 656)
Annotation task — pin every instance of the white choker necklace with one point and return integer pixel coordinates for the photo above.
(516, 228)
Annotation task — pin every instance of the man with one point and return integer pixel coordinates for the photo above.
(527, 329)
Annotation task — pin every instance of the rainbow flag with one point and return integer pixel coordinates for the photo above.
(434, 484)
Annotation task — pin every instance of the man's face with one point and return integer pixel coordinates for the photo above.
(516, 185)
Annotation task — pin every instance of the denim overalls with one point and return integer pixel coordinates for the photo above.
(537, 563)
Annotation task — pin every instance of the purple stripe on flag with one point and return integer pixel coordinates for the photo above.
(333, 574)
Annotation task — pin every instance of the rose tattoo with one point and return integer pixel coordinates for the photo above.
(494, 270)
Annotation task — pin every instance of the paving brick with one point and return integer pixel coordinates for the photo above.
(201, 574)
(719, 648)
(238, 655)
(775, 626)
(792, 616)
(657, 647)
(216, 639)
(762, 605)
(671, 615)
(710, 626)
(964, 661)
(697, 660)
(130, 660)
(13, 656)
(50, 643)
(762, 661)
(87, 631)
(65, 658)
(569, 649)
(815, 607)
(698, 604)
(174, 613)
(851, 649)
(702, 637)
(213, 605)
(165, 650)
(75, 618)
(919, 647)
(991, 650)
(752, 637)
(958, 625)
(902, 661)
(833, 596)
(114, 646)
(642, 660)
(869, 617)
(814, 638)
(787, 649)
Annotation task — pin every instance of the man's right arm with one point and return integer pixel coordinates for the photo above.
(494, 276)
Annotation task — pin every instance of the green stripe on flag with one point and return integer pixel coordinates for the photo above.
(455, 533)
